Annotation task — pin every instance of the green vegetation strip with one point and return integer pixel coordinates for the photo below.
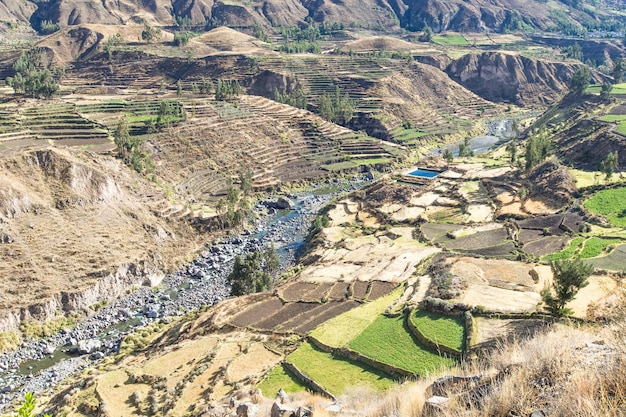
(389, 340)
(441, 330)
(336, 374)
(611, 204)
(450, 40)
(340, 330)
(612, 118)
(595, 246)
(280, 377)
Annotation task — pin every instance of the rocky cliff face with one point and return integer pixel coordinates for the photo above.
(75, 229)
(503, 77)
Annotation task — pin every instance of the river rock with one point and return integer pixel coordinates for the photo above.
(89, 346)
(282, 203)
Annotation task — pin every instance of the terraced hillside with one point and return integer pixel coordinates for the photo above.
(278, 143)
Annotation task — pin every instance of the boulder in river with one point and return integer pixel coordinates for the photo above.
(89, 346)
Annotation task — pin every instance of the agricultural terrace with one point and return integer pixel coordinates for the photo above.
(389, 340)
(611, 204)
(441, 330)
(336, 374)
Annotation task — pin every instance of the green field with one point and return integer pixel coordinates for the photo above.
(612, 118)
(615, 261)
(335, 373)
(340, 330)
(611, 204)
(621, 128)
(450, 40)
(595, 246)
(389, 340)
(443, 330)
(279, 377)
(618, 89)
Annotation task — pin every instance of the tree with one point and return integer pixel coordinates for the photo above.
(325, 107)
(537, 148)
(254, 273)
(574, 51)
(129, 149)
(580, 80)
(182, 38)
(605, 92)
(610, 164)
(464, 148)
(448, 156)
(33, 75)
(619, 68)
(511, 148)
(569, 278)
(427, 34)
(150, 33)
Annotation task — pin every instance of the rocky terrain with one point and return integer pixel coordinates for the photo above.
(473, 16)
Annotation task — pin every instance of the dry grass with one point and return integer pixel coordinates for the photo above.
(562, 372)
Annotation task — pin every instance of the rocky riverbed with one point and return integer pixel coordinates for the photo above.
(39, 365)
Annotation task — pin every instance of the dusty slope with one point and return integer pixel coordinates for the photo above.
(70, 220)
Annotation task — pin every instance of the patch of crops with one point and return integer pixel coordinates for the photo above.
(568, 252)
(621, 128)
(280, 377)
(335, 373)
(611, 204)
(615, 261)
(443, 330)
(595, 246)
(340, 330)
(612, 118)
(389, 340)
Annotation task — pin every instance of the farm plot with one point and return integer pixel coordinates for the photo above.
(434, 231)
(614, 261)
(380, 289)
(257, 312)
(389, 340)
(284, 314)
(611, 204)
(296, 291)
(340, 330)
(280, 378)
(477, 239)
(545, 245)
(441, 330)
(336, 374)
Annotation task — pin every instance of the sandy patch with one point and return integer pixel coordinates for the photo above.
(537, 207)
(424, 200)
(600, 287)
(499, 299)
(257, 358)
(408, 213)
(176, 364)
(513, 208)
(115, 392)
(480, 213)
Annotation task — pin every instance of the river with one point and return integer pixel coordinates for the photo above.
(39, 365)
